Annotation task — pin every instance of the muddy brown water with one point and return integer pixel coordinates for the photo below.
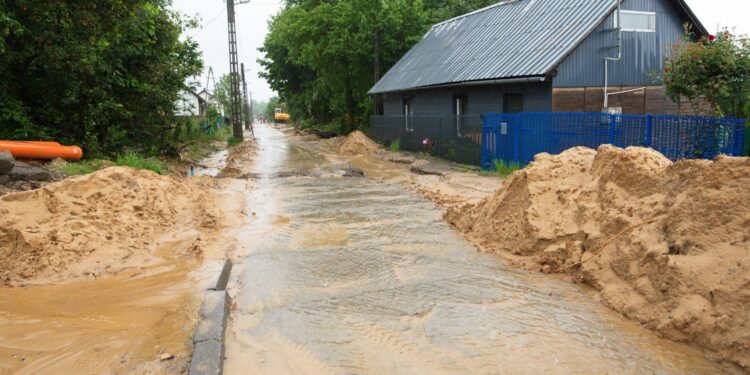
(353, 276)
(117, 325)
(212, 165)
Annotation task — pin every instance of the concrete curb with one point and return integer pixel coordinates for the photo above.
(208, 356)
(222, 279)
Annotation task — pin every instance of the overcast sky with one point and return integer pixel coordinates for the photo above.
(252, 25)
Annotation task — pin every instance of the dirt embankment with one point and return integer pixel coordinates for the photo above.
(357, 143)
(96, 225)
(667, 244)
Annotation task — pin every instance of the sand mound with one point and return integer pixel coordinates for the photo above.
(667, 244)
(238, 156)
(358, 143)
(96, 224)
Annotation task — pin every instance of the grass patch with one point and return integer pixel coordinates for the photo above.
(78, 168)
(500, 169)
(128, 159)
(234, 141)
(133, 160)
(196, 137)
(396, 145)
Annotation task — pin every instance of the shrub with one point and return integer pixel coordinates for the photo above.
(715, 69)
(233, 141)
(395, 145)
(500, 169)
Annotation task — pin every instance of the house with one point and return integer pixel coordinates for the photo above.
(191, 104)
(541, 56)
(208, 100)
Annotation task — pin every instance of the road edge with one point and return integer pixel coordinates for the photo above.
(208, 340)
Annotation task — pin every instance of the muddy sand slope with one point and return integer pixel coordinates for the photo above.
(95, 225)
(102, 274)
(667, 244)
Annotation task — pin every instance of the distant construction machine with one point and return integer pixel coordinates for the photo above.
(280, 116)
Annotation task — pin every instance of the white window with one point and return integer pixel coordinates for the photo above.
(637, 21)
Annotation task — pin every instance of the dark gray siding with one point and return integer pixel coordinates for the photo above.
(643, 53)
(537, 97)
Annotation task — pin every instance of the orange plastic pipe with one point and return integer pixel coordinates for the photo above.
(26, 150)
(45, 143)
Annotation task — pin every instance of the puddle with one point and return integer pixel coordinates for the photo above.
(212, 165)
(365, 278)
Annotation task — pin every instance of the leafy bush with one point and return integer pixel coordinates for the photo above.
(715, 69)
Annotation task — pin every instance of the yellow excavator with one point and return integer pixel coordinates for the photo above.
(280, 116)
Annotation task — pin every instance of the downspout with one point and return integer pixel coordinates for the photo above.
(608, 58)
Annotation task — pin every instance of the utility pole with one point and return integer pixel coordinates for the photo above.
(376, 77)
(247, 109)
(234, 74)
(252, 114)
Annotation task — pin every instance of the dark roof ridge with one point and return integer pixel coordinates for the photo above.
(501, 3)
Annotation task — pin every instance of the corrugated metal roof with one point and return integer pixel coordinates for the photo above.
(511, 39)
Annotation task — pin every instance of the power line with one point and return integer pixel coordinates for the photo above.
(216, 17)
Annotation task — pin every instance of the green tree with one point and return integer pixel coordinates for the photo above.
(440, 10)
(715, 69)
(103, 74)
(323, 56)
(223, 94)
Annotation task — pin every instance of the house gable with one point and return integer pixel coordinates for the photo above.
(643, 53)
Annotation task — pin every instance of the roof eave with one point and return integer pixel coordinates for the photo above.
(484, 82)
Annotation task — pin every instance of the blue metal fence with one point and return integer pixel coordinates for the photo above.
(516, 138)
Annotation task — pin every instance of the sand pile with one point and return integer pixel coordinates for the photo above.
(667, 244)
(358, 143)
(238, 157)
(97, 224)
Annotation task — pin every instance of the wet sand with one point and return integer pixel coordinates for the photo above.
(123, 321)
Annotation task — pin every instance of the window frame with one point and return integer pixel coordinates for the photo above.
(506, 102)
(460, 109)
(652, 16)
(408, 110)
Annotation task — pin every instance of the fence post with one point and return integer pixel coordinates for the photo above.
(516, 126)
(647, 140)
(485, 163)
(747, 139)
(612, 129)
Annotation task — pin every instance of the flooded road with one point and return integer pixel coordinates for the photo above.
(352, 276)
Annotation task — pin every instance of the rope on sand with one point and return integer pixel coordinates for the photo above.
(611, 240)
